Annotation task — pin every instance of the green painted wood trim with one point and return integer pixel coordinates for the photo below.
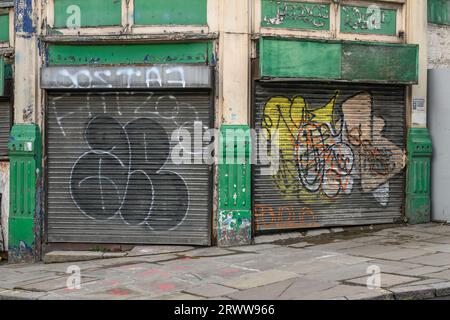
(295, 15)
(173, 12)
(93, 13)
(194, 52)
(4, 28)
(439, 11)
(2, 76)
(339, 60)
(305, 59)
(366, 20)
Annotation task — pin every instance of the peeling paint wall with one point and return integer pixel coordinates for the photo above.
(439, 46)
(4, 191)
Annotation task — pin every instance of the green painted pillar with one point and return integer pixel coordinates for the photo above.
(25, 218)
(234, 220)
(418, 184)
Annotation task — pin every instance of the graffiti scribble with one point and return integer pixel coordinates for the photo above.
(323, 151)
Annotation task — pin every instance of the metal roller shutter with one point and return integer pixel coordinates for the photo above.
(111, 178)
(341, 151)
(5, 126)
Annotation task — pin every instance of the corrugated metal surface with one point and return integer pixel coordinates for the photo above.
(5, 126)
(341, 151)
(111, 178)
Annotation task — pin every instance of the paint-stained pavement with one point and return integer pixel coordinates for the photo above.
(414, 261)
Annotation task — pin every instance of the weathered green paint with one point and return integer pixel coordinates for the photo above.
(303, 59)
(368, 20)
(195, 52)
(8, 71)
(392, 63)
(439, 11)
(2, 76)
(338, 60)
(93, 13)
(4, 28)
(234, 221)
(295, 15)
(172, 12)
(418, 183)
(25, 152)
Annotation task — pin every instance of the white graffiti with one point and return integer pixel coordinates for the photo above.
(117, 77)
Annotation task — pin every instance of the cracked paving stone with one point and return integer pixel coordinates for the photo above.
(445, 275)
(399, 254)
(436, 260)
(389, 266)
(180, 296)
(340, 273)
(339, 245)
(303, 287)
(255, 248)
(52, 285)
(377, 294)
(210, 290)
(387, 280)
(336, 292)
(157, 250)
(267, 292)
(343, 259)
(208, 252)
(259, 279)
(421, 271)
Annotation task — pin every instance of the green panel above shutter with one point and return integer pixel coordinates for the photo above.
(163, 53)
(339, 60)
(389, 63)
(170, 12)
(290, 58)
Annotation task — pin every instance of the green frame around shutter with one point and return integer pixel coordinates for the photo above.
(158, 53)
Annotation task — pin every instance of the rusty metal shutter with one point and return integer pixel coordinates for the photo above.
(5, 126)
(111, 178)
(341, 150)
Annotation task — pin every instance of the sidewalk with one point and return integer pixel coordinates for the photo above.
(414, 261)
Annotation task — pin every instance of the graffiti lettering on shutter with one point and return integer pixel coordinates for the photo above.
(324, 151)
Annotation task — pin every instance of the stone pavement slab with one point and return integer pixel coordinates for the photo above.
(211, 290)
(436, 260)
(258, 279)
(440, 275)
(425, 270)
(154, 250)
(387, 280)
(267, 292)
